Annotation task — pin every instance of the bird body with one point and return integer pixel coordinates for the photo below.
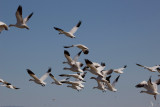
(120, 70)
(152, 69)
(36, 79)
(71, 61)
(151, 87)
(80, 46)
(79, 76)
(110, 86)
(93, 69)
(71, 32)
(21, 23)
(9, 85)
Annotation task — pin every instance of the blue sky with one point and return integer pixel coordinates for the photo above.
(117, 32)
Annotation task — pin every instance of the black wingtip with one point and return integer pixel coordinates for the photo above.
(79, 23)
(88, 61)
(84, 74)
(139, 64)
(138, 86)
(66, 52)
(49, 70)
(57, 28)
(66, 46)
(30, 15)
(30, 72)
(79, 53)
(150, 79)
(51, 75)
(125, 66)
(108, 78)
(117, 78)
(19, 7)
(61, 75)
(103, 64)
(8, 84)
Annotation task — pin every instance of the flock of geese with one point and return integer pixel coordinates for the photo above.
(101, 75)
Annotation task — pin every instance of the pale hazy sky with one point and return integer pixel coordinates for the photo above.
(117, 32)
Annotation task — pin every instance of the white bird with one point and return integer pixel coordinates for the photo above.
(9, 85)
(56, 81)
(79, 76)
(151, 87)
(80, 46)
(71, 32)
(71, 61)
(3, 26)
(93, 69)
(110, 86)
(37, 80)
(152, 69)
(21, 23)
(74, 87)
(75, 68)
(100, 82)
(76, 83)
(120, 70)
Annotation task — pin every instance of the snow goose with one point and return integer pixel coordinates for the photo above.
(75, 87)
(21, 23)
(3, 26)
(71, 32)
(75, 68)
(152, 69)
(93, 69)
(75, 83)
(37, 80)
(56, 81)
(9, 85)
(71, 61)
(151, 87)
(79, 76)
(100, 82)
(110, 86)
(120, 70)
(80, 46)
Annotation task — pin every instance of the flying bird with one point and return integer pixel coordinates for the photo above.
(110, 86)
(80, 46)
(74, 87)
(120, 70)
(79, 76)
(3, 26)
(21, 22)
(71, 32)
(36, 79)
(75, 83)
(93, 69)
(100, 82)
(151, 87)
(56, 81)
(71, 61)
(152, 69)
(10, 86)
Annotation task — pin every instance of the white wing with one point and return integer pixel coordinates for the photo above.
(45, 75)
(74, 29)
(27, 18)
